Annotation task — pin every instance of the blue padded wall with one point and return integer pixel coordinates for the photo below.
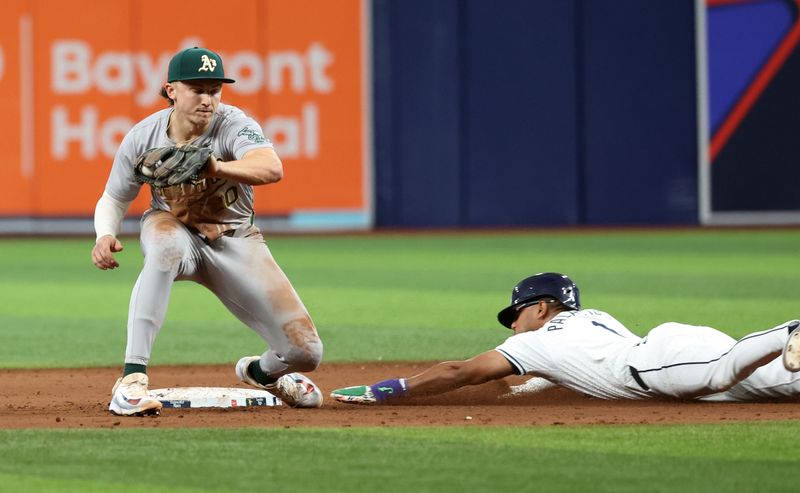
(417, 155)
(519, 113)
(534, 112)
(640, 126)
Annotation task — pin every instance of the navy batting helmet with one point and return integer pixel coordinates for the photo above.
(543, 285)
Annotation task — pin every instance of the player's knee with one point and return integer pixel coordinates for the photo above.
(305, 353)
(165, 252)
(721, 383)
(306, 358)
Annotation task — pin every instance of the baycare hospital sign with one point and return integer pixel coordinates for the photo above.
(76, 69)
(75, 81)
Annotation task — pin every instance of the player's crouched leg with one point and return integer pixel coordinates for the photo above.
(165, 242)
(293, 389)
(302, 353)
(306, 358)
(296, 389)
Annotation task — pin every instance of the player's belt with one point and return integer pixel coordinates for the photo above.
(638, 378)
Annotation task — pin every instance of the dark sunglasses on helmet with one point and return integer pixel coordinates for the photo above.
(521, 307)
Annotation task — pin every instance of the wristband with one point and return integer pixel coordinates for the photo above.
(389, 389)
(108, 216)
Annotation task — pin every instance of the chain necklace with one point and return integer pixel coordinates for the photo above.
(177, 143)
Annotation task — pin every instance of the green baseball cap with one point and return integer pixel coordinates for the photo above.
(196, 63)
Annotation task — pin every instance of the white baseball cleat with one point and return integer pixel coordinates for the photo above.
(129, 397)
(293, 389)
(791, 352)
(297, 390)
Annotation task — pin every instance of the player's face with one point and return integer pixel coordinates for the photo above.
(529, 318)
(196, 100)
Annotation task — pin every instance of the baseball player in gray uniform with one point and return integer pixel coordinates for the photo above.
(203, 231)
(590, 352)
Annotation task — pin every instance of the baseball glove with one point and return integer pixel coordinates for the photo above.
(167, 166)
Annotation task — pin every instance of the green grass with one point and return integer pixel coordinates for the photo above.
(731, 458)
(395, 297)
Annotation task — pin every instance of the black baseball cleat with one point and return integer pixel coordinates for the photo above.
(791, 352)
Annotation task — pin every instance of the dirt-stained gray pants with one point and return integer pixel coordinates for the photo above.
(240, 270)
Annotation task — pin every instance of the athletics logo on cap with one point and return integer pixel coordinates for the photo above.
(209, 64)
(196, 63)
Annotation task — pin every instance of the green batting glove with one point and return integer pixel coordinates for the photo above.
(371, 394)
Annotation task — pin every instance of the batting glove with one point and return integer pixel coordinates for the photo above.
(372, 394)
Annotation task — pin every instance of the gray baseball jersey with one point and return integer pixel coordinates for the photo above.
(202, 232)
(209, 206)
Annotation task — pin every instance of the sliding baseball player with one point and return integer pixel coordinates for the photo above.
(590, 352)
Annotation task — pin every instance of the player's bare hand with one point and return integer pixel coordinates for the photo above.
(104, 250)
(212, 168)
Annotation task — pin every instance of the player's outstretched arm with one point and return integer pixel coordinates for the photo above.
(438, 379)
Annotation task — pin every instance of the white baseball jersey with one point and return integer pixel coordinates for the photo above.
(590, 352)
(209, 206)
(584, 350)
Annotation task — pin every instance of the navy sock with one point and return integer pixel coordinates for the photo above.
(133, 368)
(255, 371)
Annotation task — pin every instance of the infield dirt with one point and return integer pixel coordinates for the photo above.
(78, 398)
